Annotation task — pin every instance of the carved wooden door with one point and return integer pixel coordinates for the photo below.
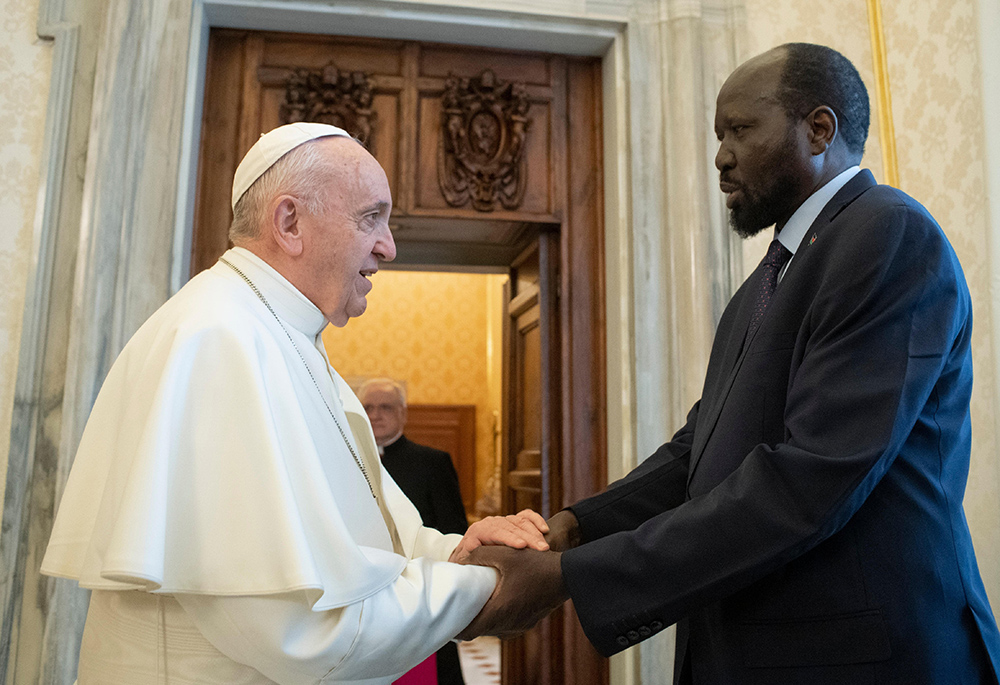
(531, 464)
(494, 160)
(452, 428)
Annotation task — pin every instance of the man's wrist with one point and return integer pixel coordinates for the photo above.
(564, 531)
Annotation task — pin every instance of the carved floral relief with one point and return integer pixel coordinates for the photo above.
(481, 151)
(330, 96)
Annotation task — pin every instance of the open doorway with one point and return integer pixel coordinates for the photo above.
(439, 334)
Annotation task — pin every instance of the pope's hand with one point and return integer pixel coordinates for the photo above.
(530, 587)
(524, 529)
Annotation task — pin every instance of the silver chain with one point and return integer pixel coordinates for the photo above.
(267, 304)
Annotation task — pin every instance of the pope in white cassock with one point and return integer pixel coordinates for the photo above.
(227, 505)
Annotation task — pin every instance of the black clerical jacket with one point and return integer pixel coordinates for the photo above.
(428, 479)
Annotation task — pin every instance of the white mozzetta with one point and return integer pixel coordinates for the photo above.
(211, 464)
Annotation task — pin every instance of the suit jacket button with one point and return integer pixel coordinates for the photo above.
(622, 640)
(632, 635)
(644, 631)
(656, 625)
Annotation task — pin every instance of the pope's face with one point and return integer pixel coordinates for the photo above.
(343, 247)
(386, 413)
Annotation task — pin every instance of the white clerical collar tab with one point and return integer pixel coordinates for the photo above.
(274, 145)
(287, 300)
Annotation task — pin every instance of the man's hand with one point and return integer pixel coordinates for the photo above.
(564, 531)
(530, 587)
(520, 530)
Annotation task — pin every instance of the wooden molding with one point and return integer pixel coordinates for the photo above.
(481, 150)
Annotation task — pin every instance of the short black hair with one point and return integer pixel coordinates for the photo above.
(815, 75)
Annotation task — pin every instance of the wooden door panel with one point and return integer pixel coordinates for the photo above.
(529, 381)
(441, 61)
(381, 57)
(537, 203)
(531, 476)
(452, 428)
(220, 131)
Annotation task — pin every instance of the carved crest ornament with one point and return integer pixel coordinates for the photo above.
(481, 150)
(330, 96)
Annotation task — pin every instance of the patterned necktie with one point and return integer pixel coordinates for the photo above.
(777, 256)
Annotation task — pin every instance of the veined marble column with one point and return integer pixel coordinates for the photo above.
(686, 262)
(123, 255)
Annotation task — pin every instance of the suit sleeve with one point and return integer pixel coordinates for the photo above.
(377, 638)
(882, 334)
(658, 484)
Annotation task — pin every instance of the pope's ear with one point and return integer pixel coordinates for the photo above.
(284, 225)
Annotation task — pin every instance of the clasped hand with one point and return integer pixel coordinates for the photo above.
(526, 552)
(524, 529)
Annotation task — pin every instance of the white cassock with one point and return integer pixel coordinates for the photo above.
(218, 514)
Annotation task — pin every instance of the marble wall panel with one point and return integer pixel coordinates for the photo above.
(25, 64)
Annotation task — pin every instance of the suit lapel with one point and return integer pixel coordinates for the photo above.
(736, 341)
(717, 387)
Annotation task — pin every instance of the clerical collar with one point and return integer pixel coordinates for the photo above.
(287, 301)
(391, 441)
(795, 229)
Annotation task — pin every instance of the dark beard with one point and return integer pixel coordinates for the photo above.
(752, 216)
(772, 199)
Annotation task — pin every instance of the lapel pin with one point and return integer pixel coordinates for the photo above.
(813, 239)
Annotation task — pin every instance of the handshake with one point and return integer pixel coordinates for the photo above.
(526, 552)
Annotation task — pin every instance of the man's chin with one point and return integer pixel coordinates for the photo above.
(747, 224)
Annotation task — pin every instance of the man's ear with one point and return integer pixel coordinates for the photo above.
(823, 129)
(284, 225)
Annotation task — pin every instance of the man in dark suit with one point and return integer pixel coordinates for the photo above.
(806, 524)
(425, 475)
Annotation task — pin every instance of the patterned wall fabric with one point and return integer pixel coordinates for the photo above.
(934, 73)
(25, 64)
(437, 332)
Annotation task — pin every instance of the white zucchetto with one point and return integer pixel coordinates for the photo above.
(274, 145)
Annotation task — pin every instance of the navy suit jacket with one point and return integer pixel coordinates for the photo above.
(806, 524)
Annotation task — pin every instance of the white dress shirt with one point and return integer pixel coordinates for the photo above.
(798, 224)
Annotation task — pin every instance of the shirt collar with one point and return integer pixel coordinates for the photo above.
(795, 229)
(391, 441)
(285, 299)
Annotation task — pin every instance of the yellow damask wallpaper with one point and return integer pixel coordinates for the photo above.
(934, 75)
(440, 334)
(25, 63)
(934, 82)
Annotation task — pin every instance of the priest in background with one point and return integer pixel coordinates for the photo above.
(227, 506)
(425, 475)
